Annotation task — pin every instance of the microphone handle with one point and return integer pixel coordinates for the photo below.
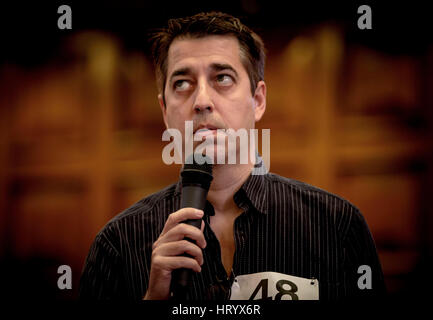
(193, 196)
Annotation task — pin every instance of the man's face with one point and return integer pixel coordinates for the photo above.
(208, 84)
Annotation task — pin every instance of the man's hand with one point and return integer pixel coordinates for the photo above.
(167, 252)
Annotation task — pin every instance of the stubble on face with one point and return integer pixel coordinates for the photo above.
(192, 60)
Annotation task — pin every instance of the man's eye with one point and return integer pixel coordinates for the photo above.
(224, 80)
(181, 85)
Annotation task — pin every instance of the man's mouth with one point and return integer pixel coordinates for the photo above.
(203, 131)
(205, 128)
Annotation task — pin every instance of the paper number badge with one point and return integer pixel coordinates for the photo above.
(274, 286)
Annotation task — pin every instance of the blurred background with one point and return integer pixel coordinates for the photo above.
(350, 111)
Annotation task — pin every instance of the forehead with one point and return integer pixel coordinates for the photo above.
(191, 52)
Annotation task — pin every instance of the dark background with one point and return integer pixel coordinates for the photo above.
(399, 27)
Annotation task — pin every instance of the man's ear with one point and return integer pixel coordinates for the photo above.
(163, 109)
(259, 100)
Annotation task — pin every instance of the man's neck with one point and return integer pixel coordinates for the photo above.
(227, 179)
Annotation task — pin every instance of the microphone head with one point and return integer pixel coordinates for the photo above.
(196, 173)
(192, 164)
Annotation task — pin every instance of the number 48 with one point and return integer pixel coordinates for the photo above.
(263, 285)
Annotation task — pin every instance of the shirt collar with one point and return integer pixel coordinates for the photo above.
(253, 192)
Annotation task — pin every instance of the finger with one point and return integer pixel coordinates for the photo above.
(176, 262)
(181, 215)
(180, 232)
(178, 248)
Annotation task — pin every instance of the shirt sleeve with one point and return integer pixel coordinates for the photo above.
(101, 278)
(363, 272)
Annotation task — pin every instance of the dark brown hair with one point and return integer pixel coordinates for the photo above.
(252, 51)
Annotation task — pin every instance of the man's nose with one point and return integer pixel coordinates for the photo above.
(203, 101)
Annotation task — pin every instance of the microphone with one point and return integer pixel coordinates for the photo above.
(196, 180)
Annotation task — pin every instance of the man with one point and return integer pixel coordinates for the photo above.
(262, 236)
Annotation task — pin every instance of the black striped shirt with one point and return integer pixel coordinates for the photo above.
(286, 226)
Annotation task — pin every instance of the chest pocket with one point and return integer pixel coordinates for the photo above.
(273, 286)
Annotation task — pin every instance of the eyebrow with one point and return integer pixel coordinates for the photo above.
(180, 72)
(222, 67)
(214, 66)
